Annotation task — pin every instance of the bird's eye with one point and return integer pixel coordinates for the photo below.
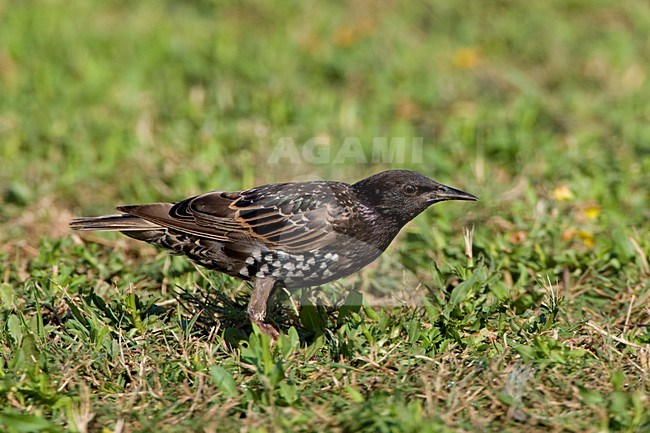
(409, 189)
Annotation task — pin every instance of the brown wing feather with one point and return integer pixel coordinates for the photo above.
(288, 217)
(281, 216)
(161, 213)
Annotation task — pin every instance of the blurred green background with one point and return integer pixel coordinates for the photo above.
(107, 102)
(540, 108)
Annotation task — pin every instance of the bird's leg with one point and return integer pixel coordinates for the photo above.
(257, 305)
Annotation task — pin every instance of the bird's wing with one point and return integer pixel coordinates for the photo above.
(294, 217)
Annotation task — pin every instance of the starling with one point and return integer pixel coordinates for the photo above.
(298, 234)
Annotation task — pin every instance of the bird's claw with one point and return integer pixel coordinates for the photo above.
(268, 329)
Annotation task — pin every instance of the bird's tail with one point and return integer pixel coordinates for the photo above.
(122, 222)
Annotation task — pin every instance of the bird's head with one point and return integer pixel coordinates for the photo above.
(401, 195)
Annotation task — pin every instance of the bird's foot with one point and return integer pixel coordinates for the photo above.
(257, 306)
(268, 329)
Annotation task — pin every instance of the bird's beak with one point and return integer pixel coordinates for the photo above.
(448, 193)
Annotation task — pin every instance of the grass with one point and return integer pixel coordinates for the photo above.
(537, 320)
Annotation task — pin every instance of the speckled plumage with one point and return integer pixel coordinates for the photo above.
(298, 234)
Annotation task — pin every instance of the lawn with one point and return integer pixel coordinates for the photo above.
(525, 311)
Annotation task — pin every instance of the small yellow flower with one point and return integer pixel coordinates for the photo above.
(562, 193)
(587, 238)
(465, 58)
(591, 212)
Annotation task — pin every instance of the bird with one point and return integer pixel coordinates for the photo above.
(294, 234)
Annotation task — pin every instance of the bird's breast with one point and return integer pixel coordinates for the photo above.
(309, 268)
